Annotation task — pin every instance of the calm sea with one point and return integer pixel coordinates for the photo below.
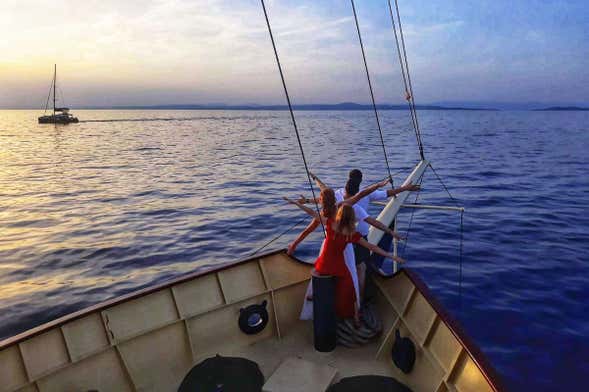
(94, 210)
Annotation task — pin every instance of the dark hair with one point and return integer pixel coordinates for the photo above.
(328, 203)
(355, 174)
(352, 187)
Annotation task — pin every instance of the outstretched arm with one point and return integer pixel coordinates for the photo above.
(381, 226)
(319, 183)
(366, 191)
(409, 187)
(375, 249)
(308, 230)
(307, 200)
(308, 210)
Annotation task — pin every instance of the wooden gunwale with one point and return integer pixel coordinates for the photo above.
(128, 297)
(479, 358)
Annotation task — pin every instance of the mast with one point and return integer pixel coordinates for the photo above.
(54, 86)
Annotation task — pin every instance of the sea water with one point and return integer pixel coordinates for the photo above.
(93, 210)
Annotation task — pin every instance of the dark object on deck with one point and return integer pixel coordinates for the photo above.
(368, 383)
(227, 374)
(253, 319)
(403, 353)
(324, 320)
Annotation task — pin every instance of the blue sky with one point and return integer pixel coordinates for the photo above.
(202, 51)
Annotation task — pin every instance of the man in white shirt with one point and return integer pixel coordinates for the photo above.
(362, 255)
(357, 257)
(357, 274)
(352, 187)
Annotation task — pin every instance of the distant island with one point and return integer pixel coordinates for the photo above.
(338, 106)
(562, 109)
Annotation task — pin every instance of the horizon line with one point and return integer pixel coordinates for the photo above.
(348, 106)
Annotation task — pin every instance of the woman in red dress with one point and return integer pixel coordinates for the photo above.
(340, 230)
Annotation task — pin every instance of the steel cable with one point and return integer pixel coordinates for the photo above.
(371, 92)
(294, 123)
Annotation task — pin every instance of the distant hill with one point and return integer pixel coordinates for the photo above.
(562, 109)
(338, 106)
(503, 105)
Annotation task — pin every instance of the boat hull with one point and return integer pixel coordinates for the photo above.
(57, 119)
(149, 340)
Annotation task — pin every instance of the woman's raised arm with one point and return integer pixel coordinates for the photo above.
(308, 210)
(366, 191)
(319, 183)
(308, 230)
(375, 249)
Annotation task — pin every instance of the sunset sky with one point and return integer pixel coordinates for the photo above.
(143, 52)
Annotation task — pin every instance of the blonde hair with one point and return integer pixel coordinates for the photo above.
(345, 219)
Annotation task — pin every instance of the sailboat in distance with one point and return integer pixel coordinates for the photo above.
(61, 115)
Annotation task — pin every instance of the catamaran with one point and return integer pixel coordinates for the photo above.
(61, 115)
(237, 327)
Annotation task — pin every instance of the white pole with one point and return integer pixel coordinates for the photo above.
(387, 215)
(424, 206)
(430, 207)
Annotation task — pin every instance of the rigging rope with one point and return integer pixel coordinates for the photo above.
(412, 213)
(255, 252)
(444, 185)
(291, 112)
(62, 98)
(408, 91)
(412, 97)
(49, 96)
(372, 93)
(407, 68)
(404, 63)
(461, 243)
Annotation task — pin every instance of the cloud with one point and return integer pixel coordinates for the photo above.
(316, 26)
(423, 30)
(198, 51)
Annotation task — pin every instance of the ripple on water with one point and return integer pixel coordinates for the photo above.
(96, 210)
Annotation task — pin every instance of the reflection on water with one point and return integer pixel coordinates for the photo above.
(144, 119)
(93, 210)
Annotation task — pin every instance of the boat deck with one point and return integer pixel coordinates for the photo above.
(150, 339)
(298, 343)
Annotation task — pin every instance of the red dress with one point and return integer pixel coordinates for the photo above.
(331, 262)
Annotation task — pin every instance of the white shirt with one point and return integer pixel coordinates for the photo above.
(363, 203)
(361, 214)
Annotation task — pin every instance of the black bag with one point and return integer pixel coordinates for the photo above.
(403, 353)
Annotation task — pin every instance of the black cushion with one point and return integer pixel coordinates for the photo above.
(368, 384)
(225, 374)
